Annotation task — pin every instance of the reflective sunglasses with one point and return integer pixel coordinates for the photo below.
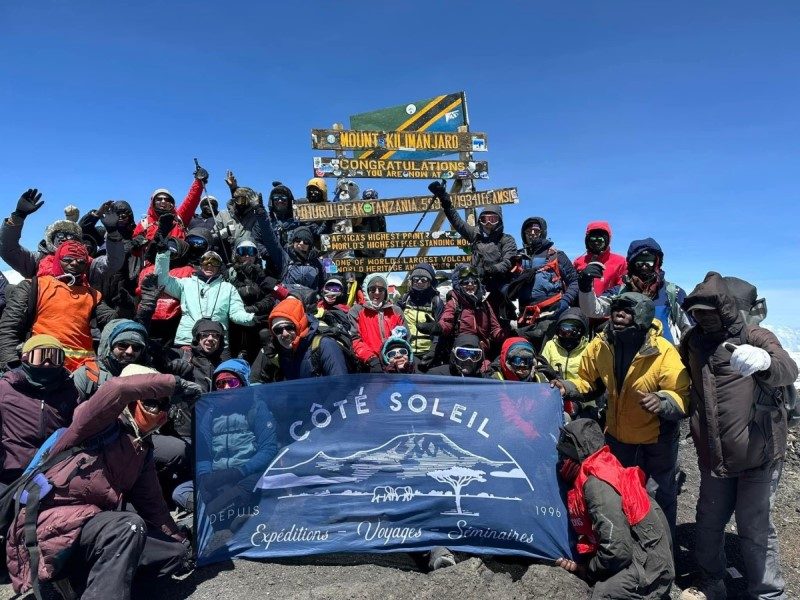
(211, 262)
(283, 327)
(247, 251)
(520, 361)
(490, 219)
(224, 383)
(333, 288)
(645, 263)
(463, 353)
(37, 357)
(396, 353)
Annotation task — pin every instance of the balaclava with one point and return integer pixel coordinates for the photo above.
(532, 245)
(209, 207)
(465, 340)
(47, 379)
(144, 422)
(278, 189)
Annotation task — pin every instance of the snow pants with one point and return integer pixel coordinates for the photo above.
(751, 496)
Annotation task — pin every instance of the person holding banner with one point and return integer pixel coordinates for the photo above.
(624, 546)
(648, 393)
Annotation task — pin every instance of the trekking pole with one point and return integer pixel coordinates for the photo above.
(228, 261)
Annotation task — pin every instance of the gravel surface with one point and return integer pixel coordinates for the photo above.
(362, 577)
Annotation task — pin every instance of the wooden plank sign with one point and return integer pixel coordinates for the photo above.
(407, 141)
(399, 239)
(333, 211)
(325, 166)
(404, 263)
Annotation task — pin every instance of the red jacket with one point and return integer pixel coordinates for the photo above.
(95, 480)
(615, 264)
(372, 328)
(184, 213)
(477, 319)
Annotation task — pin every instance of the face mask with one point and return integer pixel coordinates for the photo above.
(708, 320)
(146, 416)
(596, 243)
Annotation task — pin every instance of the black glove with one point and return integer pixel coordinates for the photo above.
(109, 219)
(221, 478)
(268, 284)
(200, 173)
(159, 243)
(430, 328)
(438, 189)
(187, 391)
(587, 276)
(150, 290)
(374, 365)
(138, 241)
(28, 204)
(165, 223)
(125, 301)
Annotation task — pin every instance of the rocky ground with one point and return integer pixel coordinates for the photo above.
(357, 577)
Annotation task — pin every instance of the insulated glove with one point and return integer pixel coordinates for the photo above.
(430, 328)
(438, 189)
(165, 223)
(185, 390)
(748, 360)
(150, 290)
(109, 219)
(374, 365)
(28, 203)
(586, 277)
(200, 173)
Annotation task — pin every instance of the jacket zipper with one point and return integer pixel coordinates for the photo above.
(41, 422)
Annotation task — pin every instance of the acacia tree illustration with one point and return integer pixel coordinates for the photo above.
(459, 478)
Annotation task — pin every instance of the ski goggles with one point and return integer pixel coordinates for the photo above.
(332, 288)
(569, 330)
(489, 219)
(280, 198)
(247, 251)
(471, 354)
(196, 242)
(520, 361)
(471, 282)
(369, 195)
(44, 356)
(211, 261)
(396, 353)
(280, 328)
(227, 382)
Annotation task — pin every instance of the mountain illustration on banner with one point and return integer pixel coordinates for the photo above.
(402, 469)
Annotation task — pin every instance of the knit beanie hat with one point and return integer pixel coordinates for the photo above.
(41, 341)
(303, 233)
(419, 272)
(292, 309)
(279, 188)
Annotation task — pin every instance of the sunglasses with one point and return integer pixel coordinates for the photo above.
(396, 353)
(470, 281)
(419, 279)
(39, 356)
(63, 237)
(211, 262)
(473, 354)
(125, 345)
(489, 219)
(645, 263)
(224, 383)
(280, 198)
(283, 327)
(73, 259)
(164, 200)
(209, 334)
(520, 361)
(247, 251)
(301, 241)
(375, 288)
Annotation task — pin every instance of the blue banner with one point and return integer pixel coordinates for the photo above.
(379, 463)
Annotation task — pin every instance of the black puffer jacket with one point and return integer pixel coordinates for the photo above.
(736, 424)
(491, 253)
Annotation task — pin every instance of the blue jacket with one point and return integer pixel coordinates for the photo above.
(238, 431)
(298, 364)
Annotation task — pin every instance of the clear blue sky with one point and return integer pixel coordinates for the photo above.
(676, 120)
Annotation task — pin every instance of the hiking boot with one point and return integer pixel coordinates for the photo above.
(440, 558)
(710, 589)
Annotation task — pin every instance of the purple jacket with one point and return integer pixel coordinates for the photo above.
(95, 480)
(28, 416)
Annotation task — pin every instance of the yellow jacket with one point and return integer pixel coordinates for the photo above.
(657, 367)
(565, 361)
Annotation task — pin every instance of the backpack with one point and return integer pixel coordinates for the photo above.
(785, 395)
(28, 490)
(333, 329)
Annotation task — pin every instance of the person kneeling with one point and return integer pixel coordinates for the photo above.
(623, 538)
